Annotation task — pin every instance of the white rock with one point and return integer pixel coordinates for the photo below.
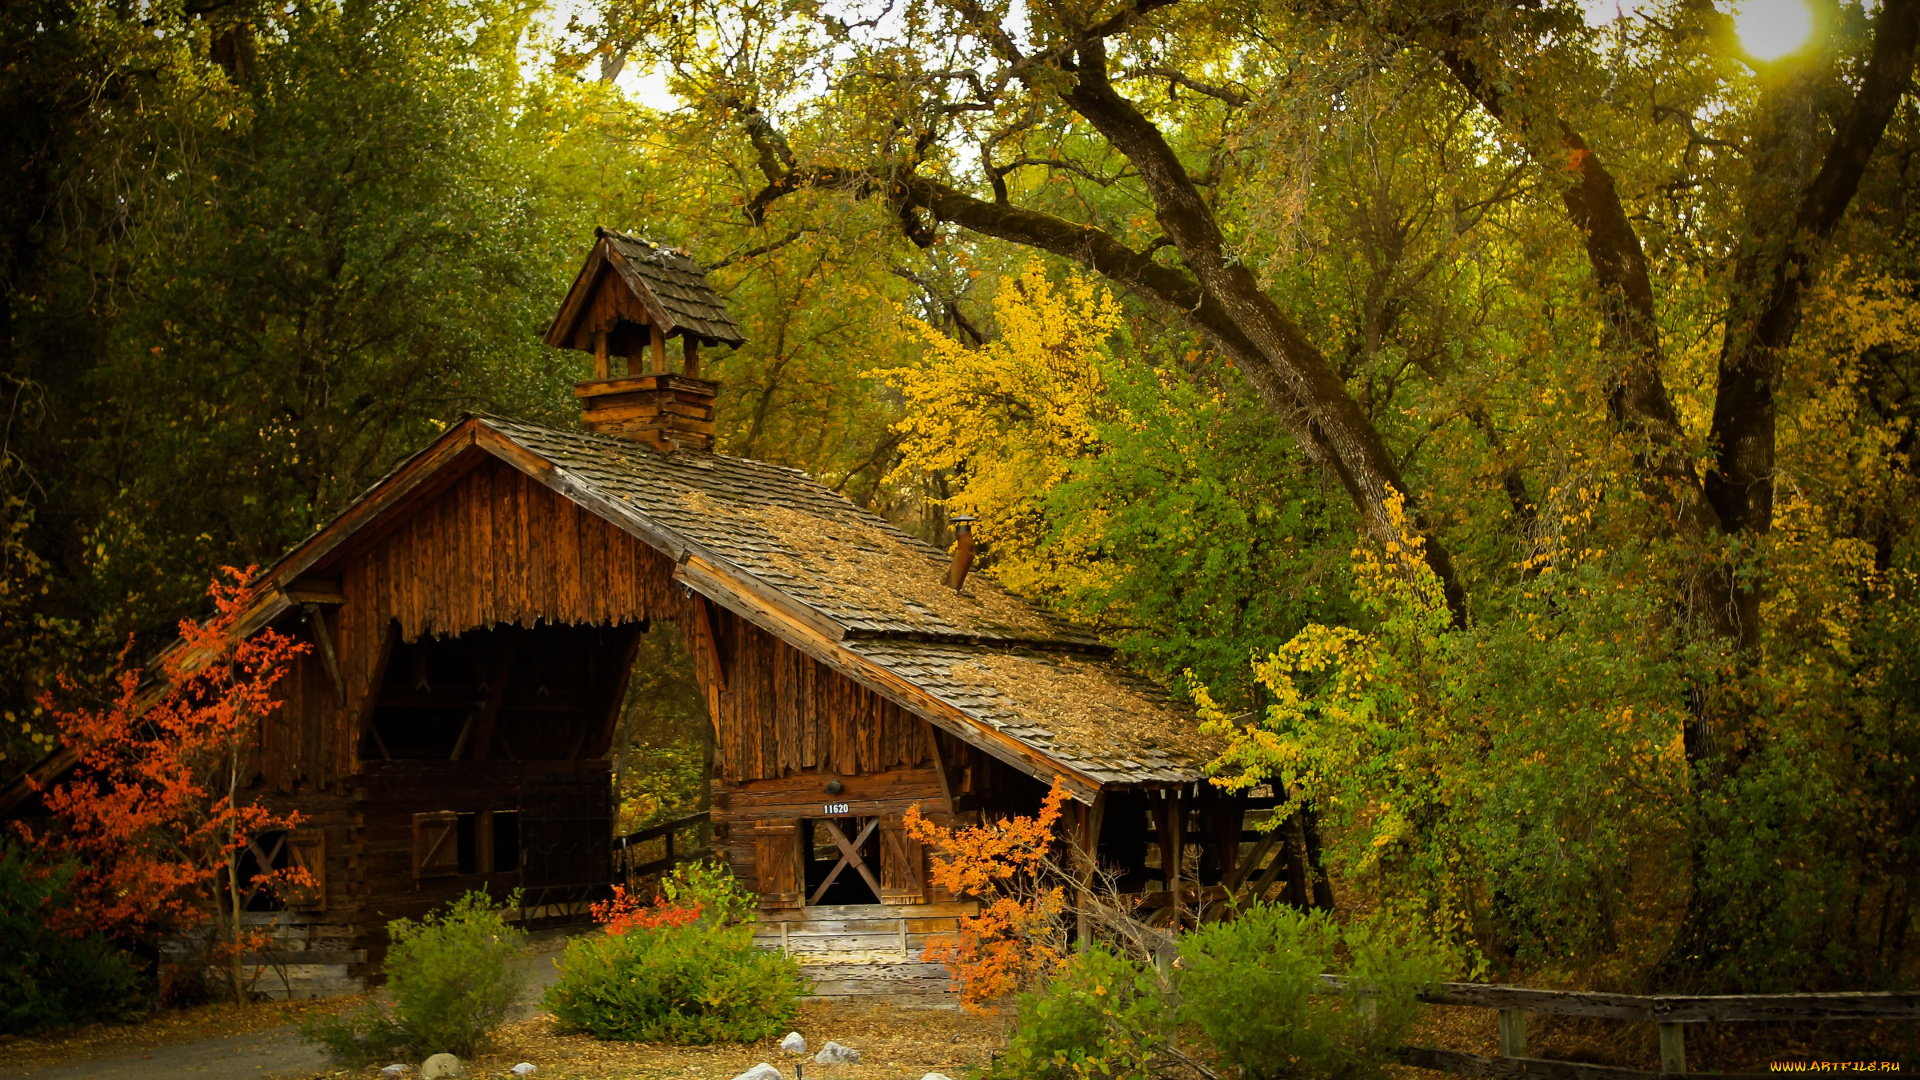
(525, 1068)
(794, 1043)
(442, 1067)
(936, 1076)
(835, 1054)
(762, 1071)
(395, 1069)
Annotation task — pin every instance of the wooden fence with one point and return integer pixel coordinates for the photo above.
(625, 866)
(1671, 1012)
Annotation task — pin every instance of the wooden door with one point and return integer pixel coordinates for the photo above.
(307, 850)
(903, 864)
(436, 850)
(778, 863)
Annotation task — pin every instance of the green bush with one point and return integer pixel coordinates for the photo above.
(1102, 1015)
(454, 978)
(1251, 987)
(685, 972)
(50, 979)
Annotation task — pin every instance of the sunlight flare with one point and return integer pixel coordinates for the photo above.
(1770, 29)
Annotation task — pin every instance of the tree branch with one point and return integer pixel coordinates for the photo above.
(1293, 376)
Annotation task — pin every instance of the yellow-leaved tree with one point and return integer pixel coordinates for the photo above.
(1005, 422)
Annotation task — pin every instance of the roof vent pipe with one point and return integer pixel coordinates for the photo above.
(962, 553)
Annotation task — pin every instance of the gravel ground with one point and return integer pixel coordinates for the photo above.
(257, 1042)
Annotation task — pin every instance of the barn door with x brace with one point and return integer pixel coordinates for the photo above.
(849, 854)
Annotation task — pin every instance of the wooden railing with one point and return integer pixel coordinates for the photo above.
(623, 854)
(1671, 1012)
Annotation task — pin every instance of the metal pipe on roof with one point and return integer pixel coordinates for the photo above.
(962, 553)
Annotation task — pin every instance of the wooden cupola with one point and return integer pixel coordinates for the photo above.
(629, 298)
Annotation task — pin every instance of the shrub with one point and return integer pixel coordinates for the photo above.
(684, 970)
(1252, 988)
(453, 978)
(1099, 1015)
(49, 978)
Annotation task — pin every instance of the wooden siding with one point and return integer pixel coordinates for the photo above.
(783, 712)
(498, 547)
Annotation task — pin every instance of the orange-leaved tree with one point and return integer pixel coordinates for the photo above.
(1019, 936)
(155, 814)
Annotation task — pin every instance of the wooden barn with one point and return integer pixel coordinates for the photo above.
(474, 617)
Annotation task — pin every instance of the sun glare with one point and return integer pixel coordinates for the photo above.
(1770, 29)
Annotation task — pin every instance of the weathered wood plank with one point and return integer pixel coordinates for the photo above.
(1460, 1063)
(1676, 1008)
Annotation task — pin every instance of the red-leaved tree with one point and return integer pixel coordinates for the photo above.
(1019, 936)
(156, 814)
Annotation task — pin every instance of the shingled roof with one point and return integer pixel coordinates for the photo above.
(849, 589)
(668, 285)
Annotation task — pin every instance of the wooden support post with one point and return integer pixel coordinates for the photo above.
(659, 349)
(785, 949)
(1513, 1033)
(1673, 1048)
(600, 356)
(1089, 844)
(904, 951)
(1173, 850)
(692, 354)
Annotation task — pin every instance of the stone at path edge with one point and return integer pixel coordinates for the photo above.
(442, 1067)
(835, 1054)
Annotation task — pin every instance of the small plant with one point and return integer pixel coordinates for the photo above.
(682, 970)
(1251, 987)
(50, 977)
(454, 979)
(1101, 1014)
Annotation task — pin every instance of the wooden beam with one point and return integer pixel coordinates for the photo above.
(496, 696)
(939, 765)
(1173, 848)
(691, 355)
(323, 639)
(657, 348)
(602, 740)
(319, 591)
(703, 620)
(363, 723)
(1243, 870)
(1675, 1008)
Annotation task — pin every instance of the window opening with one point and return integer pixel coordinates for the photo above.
(506, 840)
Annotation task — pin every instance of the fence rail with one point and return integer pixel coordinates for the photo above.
(623, 846)
(1672, 1012)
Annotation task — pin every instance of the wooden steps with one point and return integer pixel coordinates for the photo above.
(866, 950)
